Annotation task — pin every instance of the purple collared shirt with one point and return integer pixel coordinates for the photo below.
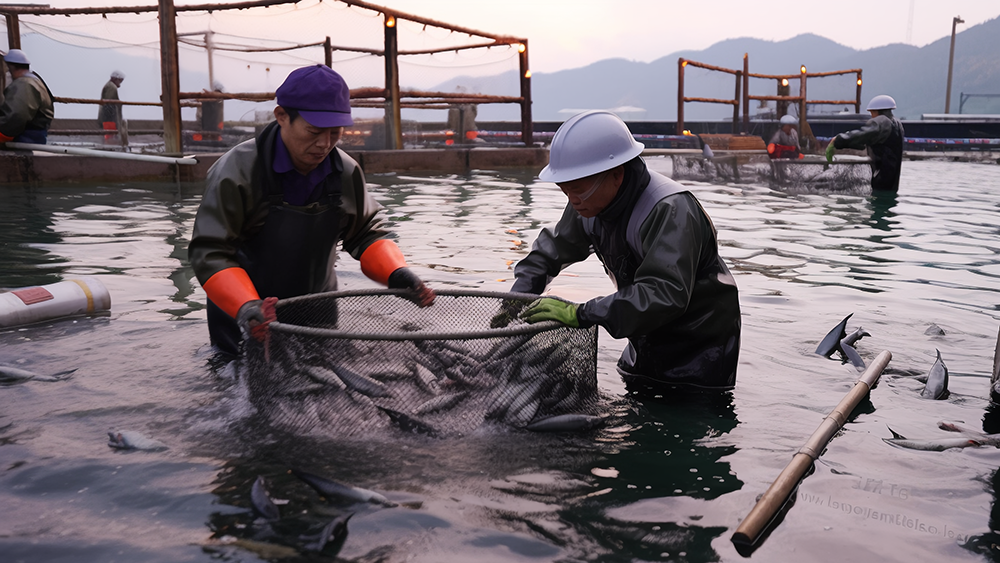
(298, 189)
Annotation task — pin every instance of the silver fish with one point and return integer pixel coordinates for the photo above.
(262, 502)
(129, 440)
(440, 402)
(333, 532)
(831, 342)
(326, 376)
(566, 423)
(11, 374)
(966, 441)
(937, 380)
(333, 490)
(426, 379)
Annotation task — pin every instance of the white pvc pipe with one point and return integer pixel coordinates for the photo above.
(73, 297)
(101, 154)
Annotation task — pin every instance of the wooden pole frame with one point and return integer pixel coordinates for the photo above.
(393, 116)
(169, 78)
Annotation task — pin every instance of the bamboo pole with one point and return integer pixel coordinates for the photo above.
(527, 126)
(771, 502)
(169, 77)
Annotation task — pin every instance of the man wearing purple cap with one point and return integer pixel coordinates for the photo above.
(275, 207)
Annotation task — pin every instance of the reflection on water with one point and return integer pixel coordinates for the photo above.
(665, 479)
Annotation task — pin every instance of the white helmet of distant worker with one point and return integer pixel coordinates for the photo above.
(881, 102)
(789, 120)
(17, 57)
(589, 143)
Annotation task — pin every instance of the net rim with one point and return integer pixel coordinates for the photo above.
(534, 328)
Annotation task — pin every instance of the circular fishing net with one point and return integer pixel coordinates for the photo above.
(812, 173)
(355, 362)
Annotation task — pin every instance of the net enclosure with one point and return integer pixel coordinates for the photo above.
(354, 363)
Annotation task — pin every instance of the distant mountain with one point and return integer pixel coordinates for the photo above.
(915, 76)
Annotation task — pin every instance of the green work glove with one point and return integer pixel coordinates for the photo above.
(830, 149)
(548, 309)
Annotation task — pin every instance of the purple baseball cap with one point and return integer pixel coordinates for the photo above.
(319, 94)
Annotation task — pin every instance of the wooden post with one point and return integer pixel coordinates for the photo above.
(802, 101)
(393, 117)
(527, 127)
(736, 103)
(681, 63)
(857, 103)
(170, 84)
(746, 93)
(13, 31)
(328, 52)
(781, 107)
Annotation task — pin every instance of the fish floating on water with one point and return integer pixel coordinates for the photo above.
(262, 502)
(839, 340)
(129, 440)
(969, 439)
(566, 423)
(333, 490)
(937, 380)
(332, 533)
(11, 374)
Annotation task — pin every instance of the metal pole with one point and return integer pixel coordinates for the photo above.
(951, 59)
(393, 118)
(527, 126)
(170, 84)
(13, 31)
(746, 93)
(681, 63)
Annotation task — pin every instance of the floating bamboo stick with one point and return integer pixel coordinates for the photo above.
(771, 502)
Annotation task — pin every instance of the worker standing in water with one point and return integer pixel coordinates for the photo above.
(882, 137)
(27, 108)
(676, 301)
(785, 141)
(275, 208)
(109, 116)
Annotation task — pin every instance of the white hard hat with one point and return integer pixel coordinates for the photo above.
(17, 57)
(789, 120)
(881, 102)
(589, 143)
(118, 74)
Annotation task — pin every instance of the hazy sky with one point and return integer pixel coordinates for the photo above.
(572, 33)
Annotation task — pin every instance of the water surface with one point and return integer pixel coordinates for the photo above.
(665, 480)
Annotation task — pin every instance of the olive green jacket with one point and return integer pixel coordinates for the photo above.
(27, 104)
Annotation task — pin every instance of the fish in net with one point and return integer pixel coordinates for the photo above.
(359, 362)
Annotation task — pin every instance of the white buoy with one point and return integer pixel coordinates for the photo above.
(79, 296)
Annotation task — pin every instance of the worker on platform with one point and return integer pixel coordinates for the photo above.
(27, 108)
(109, 116)
(785, 141)
(275, 208)
(882, 136)
(676, 301)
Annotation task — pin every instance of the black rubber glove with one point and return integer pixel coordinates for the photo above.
(404, 278)
(254, 316)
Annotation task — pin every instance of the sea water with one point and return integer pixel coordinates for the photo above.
(663, 480)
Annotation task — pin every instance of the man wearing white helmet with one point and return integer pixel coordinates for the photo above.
(785, 141)
(882, 137)
(676, 301)
(27, 109)
(109, 117)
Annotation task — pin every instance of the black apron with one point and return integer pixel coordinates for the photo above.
(290, 255)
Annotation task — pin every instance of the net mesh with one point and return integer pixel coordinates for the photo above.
(810, 174)
(361, 362)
